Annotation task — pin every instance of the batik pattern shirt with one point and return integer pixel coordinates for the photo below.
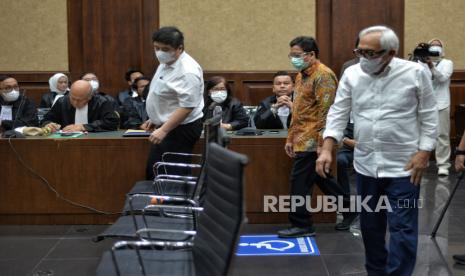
(315, 89)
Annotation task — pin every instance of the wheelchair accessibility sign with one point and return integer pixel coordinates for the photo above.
(272, 245)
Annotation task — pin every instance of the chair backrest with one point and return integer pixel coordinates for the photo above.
(219, 223)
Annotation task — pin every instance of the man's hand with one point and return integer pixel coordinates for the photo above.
(53, 127)
(349, 142)
(284, 100)
(289, 148)
(147, 126)
(226, 126)
(323, 163)
(157, 136)
(429, 62)
(418, 163)
(460, 163)
(72, 128)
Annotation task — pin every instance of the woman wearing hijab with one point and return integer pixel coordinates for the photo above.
(441, 70)
(58, 88)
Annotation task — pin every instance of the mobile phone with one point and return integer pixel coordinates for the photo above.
(67, 133)
(274, 131)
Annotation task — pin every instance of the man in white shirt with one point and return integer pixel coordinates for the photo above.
(441, 70)
(395, 118)
(175, 100)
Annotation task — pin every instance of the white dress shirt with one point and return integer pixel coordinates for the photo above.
(81, 116)
(173, 86)
(394, 113)
(441, 81)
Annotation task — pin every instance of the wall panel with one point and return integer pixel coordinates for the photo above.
(240, 35)
(340, 21)
(108, 37)
(34, 35)
(427, 19)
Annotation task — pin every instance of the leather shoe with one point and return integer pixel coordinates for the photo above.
(346, 222)
(294, 232)
(460, 259)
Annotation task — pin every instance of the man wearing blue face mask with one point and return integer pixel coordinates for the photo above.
(15, 109)
(395, 119)
(175, 100)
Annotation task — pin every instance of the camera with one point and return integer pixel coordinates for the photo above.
(422, 52)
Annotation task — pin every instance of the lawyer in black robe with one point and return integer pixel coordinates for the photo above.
(101, 114)
(24, 113)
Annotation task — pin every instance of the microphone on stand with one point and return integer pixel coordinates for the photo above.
(217, 110)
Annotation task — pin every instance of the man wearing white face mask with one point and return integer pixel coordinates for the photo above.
(95, 84)
(175, 100)
(441, 71)
(16, 110)
(395, 119)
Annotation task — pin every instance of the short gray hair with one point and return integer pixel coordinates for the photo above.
(388, 40)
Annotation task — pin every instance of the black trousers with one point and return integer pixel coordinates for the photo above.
(181, 139)
(303, 175)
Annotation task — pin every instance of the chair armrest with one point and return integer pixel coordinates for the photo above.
(176, 181)
(144, 244)
(177, 177)
(161, 198)
(167, 154)
(157, 166)
(189, 233)
(181, 208)
(158, 187)
(189, 212)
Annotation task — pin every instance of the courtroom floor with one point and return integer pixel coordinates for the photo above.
(48, 250)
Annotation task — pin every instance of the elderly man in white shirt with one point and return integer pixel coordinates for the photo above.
(395, 117)
(441, 71)
(175, 100)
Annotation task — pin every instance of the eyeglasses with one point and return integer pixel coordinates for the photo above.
(301, 55)
(368, 54)
(8, 88)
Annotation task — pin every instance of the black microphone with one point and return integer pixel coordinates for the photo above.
(22, 94)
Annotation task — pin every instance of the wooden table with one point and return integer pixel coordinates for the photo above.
(98, 169)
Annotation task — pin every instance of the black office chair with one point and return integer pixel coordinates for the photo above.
(176, 185)
(211, 247)
(182, 184)
(136, 216)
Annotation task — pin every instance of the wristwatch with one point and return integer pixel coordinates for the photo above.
(459, 152)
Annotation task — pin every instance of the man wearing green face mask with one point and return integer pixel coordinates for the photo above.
(315, 90)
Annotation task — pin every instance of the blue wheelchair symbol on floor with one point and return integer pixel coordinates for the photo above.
(272, 245)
